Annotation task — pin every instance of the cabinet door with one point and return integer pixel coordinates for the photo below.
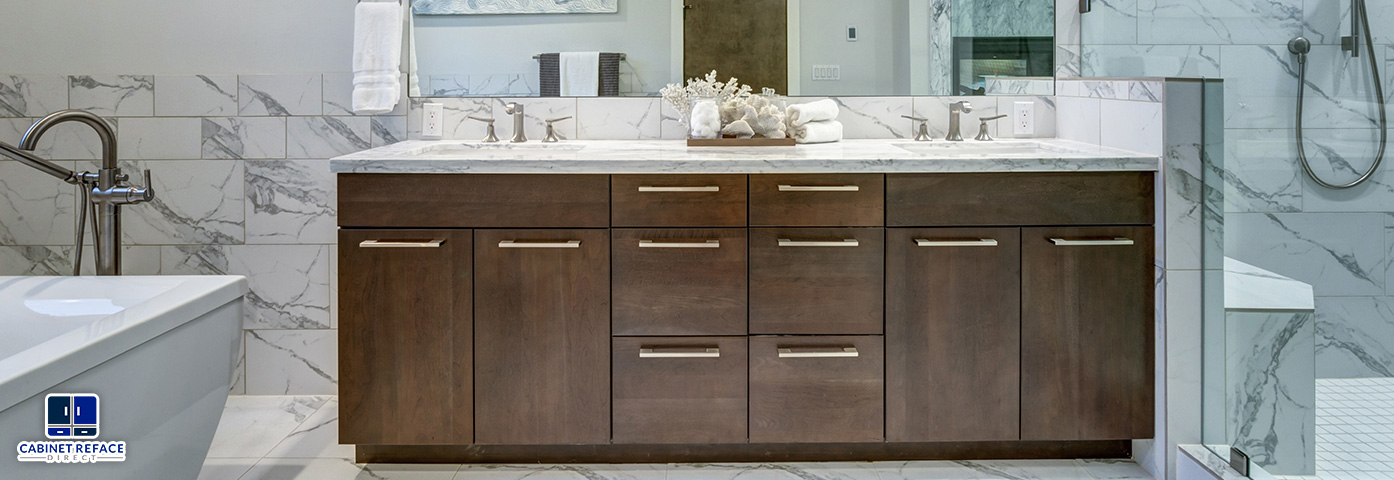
(1087, 341)
(542, 355)
(817, 389)
(817, 281)
(680, 281)
(405, 337)
(953, 331)
(688, 390)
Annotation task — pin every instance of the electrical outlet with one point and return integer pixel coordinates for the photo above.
(1024, 118)
(822, 73)
(432, 121)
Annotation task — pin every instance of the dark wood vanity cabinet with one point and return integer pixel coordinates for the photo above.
(593, 318)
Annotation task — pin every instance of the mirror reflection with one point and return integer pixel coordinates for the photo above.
(525, 48)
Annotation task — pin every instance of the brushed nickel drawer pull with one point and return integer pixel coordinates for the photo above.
(680, 244)
(819, 188)
(680, 352)
(433, 243)
(650, 189)
(1064, 242)
(556, 244)
(851, 242)
(985, 242)
(818, 352)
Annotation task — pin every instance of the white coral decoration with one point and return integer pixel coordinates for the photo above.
(680, 97)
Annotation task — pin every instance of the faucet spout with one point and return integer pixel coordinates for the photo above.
(516, 110)
(104, 132)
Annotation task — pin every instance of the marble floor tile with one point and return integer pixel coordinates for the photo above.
(1114, 469)
(225, 468)
(304, 469)
(942, 470)
(252, 426)
(383, 471)
(563, 472)
(1028, 469)
(773, 471)
(317, 437)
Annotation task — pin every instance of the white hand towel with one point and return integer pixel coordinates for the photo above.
(580, 74)
(377, 57)
(818, 132)
(812, 112)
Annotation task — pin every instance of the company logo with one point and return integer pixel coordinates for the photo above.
(75, 420)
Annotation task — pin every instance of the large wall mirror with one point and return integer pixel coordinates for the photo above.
(483, 48)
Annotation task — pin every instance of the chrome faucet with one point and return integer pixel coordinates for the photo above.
(105, 191)
(956, 110)
(516, 110)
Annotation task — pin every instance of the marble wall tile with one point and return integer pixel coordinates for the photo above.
(1147, 91)
(614, 119)
(457, 125)
(1193, 21)
(535, 111)
(290, 202)
(499, 85)
(113, 95)
(283, 361)
(941, 51)
(1180, 353)
(1111, 22)
(875, 117)
(1079, 119)
(388, 130)
(1105, 89)
(1272, 391)
(564, 472)
(1183, 188)
(670, 125)
(280, 95)
(1330, 251)
(447, 85)
(327, 137)
(35, 209)
(160, 138)
(243, 137)
(1353, 337)
(32, 95)
(1341, 156)
(333, 285)
(289, 283)
(196, 202)
(135, 259)
(1135, 126)
(1325, 21)
(1069, 61)
(36, 260)
(338, 96)
(195, 95)
(1151, 60)
(1261, 172)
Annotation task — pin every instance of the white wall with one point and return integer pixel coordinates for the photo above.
(876, 64)
(164, 37)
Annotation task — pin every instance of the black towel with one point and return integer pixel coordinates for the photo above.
(549, 72)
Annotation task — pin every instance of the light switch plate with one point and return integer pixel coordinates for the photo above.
(823, 73)
(1024, 118)
(432, 121)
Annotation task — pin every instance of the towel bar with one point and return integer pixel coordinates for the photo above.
(623, 57)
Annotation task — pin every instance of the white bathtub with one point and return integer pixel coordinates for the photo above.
(158, 352)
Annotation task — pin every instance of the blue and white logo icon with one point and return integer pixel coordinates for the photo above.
(72, 416)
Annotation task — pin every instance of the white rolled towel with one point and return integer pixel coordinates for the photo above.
(818, 111)
(818, 132)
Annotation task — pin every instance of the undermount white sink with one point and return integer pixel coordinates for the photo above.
(986, 149)
(448, 148)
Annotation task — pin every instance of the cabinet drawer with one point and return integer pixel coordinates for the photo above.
(474, 201)
(1002, 199)
(679, 282)
(817, 281)
(679, 390)
(825, 200)
(817, 389)
(679, 200)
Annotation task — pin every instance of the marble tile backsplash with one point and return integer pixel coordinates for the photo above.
(241, 167)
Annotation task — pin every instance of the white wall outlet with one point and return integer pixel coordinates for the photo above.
(432, 121)
(827, 73)
(1024, 118)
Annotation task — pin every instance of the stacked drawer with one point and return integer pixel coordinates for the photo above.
(748, 309)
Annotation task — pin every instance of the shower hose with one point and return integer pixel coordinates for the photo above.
(1300, 46)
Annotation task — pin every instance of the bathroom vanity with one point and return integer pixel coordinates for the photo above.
(647, 302)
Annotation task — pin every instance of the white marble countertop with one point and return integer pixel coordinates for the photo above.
(674, 156)
(1252, 288)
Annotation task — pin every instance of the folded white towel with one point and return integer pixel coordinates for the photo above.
(580, 74)
(818, 132)
(812, 112)
(377, 57)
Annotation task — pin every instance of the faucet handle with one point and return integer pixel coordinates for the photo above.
(922, 131)
(489, 121)
(917, 119)
(551, 131)
(142, 194)
(983, 135)
(489, 136)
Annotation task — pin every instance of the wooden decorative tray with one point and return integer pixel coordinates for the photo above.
(740, 142)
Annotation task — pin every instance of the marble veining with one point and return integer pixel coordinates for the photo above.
(280, 361)
(32, 96)
(1251, 288)
(290, 201)
(1272, 392)
(195, 95)
(113, 95)
(243, 138)
(1352, 334)
(325, 137)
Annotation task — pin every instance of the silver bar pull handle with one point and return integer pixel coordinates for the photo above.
(819, 188)
(707, 189)
(680, 244)
(1065, 242)
(432, 243)
(818, 352)
(984, 242)
(851, 242)
(525, 244)
(680, 352)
